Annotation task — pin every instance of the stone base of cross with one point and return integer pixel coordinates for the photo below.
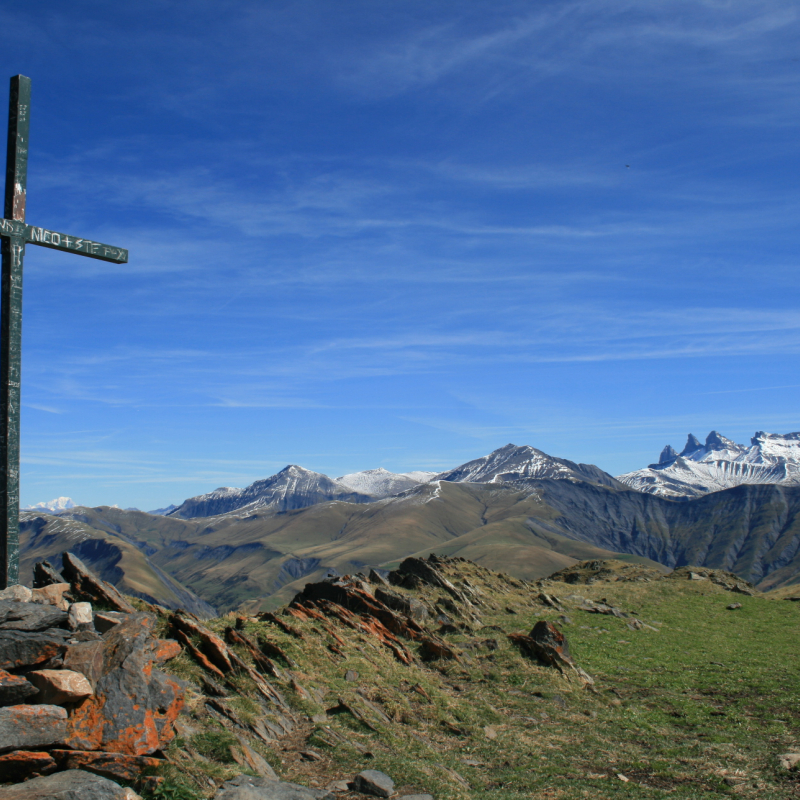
(15, 235)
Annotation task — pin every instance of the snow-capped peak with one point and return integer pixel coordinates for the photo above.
(59, 504)
(514, 463)
(291, 488)
(719, 464)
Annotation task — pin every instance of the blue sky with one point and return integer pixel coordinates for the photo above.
(402, 234)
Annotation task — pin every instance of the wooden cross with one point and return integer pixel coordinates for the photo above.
(15, 235)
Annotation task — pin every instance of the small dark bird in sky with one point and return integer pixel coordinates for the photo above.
(628, 166)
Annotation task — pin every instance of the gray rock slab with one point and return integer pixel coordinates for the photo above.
(30, 648)
(74, 784)
(26, 726)
(15, 689)
(374, 782)
(17, 616)
(245, 787)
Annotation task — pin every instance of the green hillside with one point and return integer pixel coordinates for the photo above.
(689, 698)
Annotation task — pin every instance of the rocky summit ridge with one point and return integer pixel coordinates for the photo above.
(718, 464)
(439, 680)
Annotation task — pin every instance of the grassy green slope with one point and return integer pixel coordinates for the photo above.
(697, 706)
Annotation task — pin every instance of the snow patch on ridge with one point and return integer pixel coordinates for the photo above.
(382, 483)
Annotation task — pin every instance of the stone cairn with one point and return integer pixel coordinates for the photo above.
(80, 687)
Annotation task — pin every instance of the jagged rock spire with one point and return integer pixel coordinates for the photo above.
(692, 444)
(716, 441)
(668, 454)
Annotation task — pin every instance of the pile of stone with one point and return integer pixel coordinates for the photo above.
(80, 688)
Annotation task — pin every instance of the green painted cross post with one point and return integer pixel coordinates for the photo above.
(15, 235)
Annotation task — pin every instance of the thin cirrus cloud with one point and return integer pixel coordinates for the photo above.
(566, 36)
(343, 217)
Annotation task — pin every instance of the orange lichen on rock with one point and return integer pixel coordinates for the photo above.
(117, 766)
(164, 650)
(134, 706)
(21, 764)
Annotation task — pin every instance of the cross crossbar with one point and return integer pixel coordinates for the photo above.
(15, 233)
(62, 241)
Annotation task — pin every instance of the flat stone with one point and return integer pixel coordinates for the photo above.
(245, 756)
(20, 765)
(31, 648)
(339, 786)
(245, 787)
(87, 585)
(17, 592)
(374, 782)
(415, 797)
(106, 620)
(57, 686)
(116, 766)
(789, 760)
(733, 606)
(17, 616)
(14, 689)
(71, 785)
(80, 614)
(25, 726)
(52, 595)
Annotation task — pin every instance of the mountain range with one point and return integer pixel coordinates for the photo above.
(517, 510)
(720, 464)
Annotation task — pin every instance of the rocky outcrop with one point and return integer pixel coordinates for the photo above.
(549, 646)
(88, 586)
(720, 577)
